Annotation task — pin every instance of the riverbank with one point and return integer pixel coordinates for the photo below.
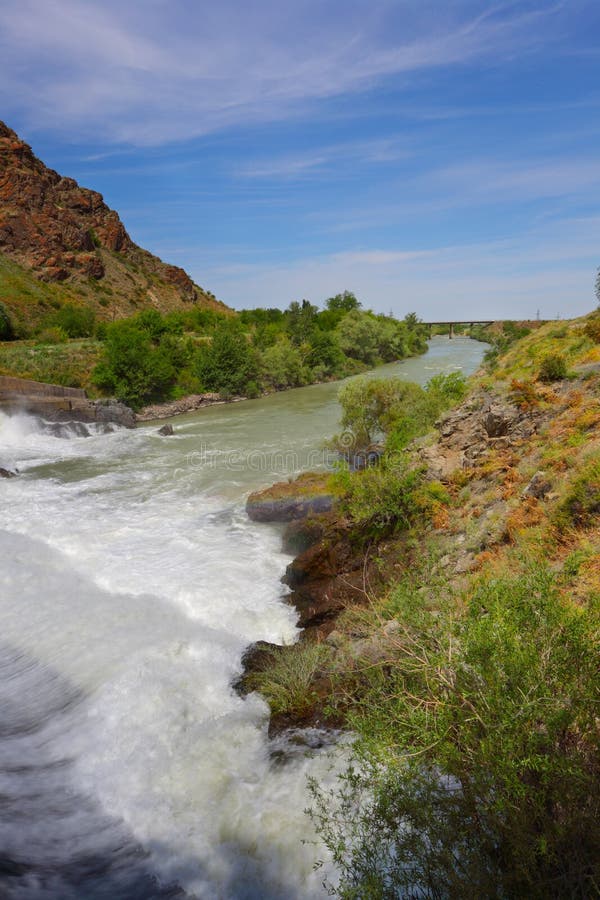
(462, 645)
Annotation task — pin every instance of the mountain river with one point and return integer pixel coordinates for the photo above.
(131, 582)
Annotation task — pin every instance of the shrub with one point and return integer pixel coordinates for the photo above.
(75, 321)
(286, 679)
(553, 367)
(477, 771)
(592, 328)
(6, 327)
(580, 508)
(133, 367)
(52, 335)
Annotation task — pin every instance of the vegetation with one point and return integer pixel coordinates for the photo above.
(469, 673)
(477, 771)
(152, 357)
(553, 368)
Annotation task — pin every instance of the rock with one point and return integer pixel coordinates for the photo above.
(166, 430)
(64, 232)
(115, 412)
(289, 500)
(539, 487)
(498, 419)
(6, 473)
(300, 534)
(465, 563)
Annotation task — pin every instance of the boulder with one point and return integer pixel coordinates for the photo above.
(538, 487)
(166, 430)
(289, 500)
(6, 473)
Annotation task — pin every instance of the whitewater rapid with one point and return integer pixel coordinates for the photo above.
(130, 587)
(131, 582)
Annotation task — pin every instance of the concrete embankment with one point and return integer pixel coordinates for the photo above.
(60, 404)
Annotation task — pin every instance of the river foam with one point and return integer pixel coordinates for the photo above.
(127, 602)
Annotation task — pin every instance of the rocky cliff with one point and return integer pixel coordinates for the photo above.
(63, 233)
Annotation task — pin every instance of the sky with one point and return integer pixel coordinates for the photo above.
(436, 156)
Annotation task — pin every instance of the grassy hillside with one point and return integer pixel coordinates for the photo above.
(123, 291)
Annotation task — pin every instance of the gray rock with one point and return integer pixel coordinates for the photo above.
(539, 487)
(6, 473)
(166, 430)
(114, 411)
(498, 419)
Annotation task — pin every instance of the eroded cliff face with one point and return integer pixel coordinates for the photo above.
(62, 232)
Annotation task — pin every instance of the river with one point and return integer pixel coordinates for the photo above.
(131, 582)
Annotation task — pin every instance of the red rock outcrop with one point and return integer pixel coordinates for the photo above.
(63, 232)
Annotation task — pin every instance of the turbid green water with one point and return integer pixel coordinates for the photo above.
(131, 583)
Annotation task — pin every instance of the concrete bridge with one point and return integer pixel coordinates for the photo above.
(452, 324)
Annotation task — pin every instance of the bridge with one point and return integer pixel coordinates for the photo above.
(451, 325)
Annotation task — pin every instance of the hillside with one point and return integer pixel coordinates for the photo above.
(60, 242)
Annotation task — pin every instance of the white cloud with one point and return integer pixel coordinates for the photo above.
(150, 71)
(550, 268)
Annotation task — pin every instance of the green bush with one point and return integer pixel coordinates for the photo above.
(477, 771)
(75, 321)
(229, 362)
(553, 367)
(133, 367)
(580, 508)
(52, 335)
(6, 326)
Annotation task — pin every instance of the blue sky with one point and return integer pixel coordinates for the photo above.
(432, 156)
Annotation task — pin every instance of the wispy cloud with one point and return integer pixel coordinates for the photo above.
(149, 72)
(334, 157)
(550, 268)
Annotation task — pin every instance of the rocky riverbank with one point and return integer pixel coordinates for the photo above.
(499, 463)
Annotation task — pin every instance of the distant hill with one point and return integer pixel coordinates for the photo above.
(61, 242)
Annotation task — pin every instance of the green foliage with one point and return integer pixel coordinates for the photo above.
(476, 773)
(134, 367)
(325, 354)
(75, 321)
(344, 302)
(52, 335)
(597, 287)
(592, 328)
(382, 498)
(580, 508)
(6, 326)
(286, 679)
(282, 365)
(374, 408)
(229, 362)
(301, 320)
(553, 367)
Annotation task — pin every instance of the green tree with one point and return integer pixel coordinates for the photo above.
(282, 365)
(597, 287)
(134, 368)
(229, 362)
(344, 302)
(358, 334)
(301, 321)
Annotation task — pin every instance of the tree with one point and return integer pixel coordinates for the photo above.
(282, 365)
(598, 287)
(357, 334)
(300, 321)
(229, 362)
(133, 367)
(344, 302)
